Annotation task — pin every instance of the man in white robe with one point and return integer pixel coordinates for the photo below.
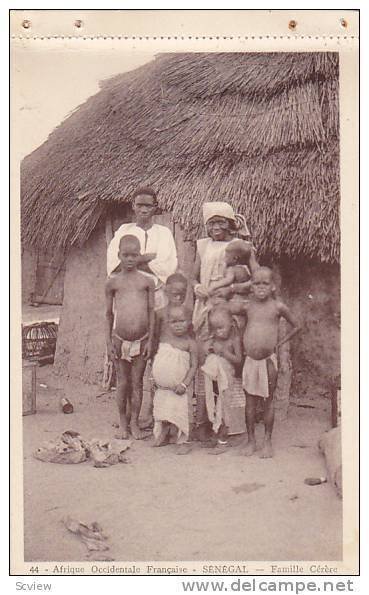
(158, 249)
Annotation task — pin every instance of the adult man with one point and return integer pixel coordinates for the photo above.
(158, 250)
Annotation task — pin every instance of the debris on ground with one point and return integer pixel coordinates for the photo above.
(92, 535)
(315, 481)
(330, 446)
(247, 488)
(66, 405)
(107, 453)
(69, 448)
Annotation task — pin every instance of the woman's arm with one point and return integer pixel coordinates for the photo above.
(195, 277)
(253, 263)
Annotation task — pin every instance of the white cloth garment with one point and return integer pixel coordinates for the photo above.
(169, 369)
(255, 378)
(158, 239)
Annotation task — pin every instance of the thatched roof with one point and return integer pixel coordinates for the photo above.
(258, 130)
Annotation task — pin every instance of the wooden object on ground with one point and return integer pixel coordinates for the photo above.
(29, 379)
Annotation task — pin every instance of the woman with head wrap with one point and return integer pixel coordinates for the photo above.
(222, 227)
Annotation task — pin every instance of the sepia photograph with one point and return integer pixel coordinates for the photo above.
(180, 260)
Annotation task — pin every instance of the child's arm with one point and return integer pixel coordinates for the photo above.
(237, 307)
(233, 352)
(287, 314)
(243, 287)
(183, 386)
(149, 349)
(226, 281)
(109, 318)
(157, 329)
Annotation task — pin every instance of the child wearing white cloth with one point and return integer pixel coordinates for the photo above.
(173, 370)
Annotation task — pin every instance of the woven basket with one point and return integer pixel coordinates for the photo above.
(39, 340)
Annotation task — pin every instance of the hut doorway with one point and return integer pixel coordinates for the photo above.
(50, 271)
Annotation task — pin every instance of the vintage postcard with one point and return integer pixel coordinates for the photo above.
(185, 292)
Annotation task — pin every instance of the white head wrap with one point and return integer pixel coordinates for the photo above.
(218, 209)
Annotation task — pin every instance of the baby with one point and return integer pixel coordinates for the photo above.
(260, 340)
(129, 296)
(224, 355)
(173, 370)
(237, 275)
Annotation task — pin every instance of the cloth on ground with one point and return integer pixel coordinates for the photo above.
(255, 379)
(92, 535)
(105, 453)
(71, 448)
(169, 369)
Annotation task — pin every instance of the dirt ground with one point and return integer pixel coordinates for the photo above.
(161, 506)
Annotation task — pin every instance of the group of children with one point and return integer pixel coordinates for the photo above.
(241, 343)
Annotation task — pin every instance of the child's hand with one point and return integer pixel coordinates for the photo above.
(180, 389)
(148, 350)
(111, 351)
(218, 350)
(201, 291)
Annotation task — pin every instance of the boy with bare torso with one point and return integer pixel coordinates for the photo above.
(129, 298)
(260, 342)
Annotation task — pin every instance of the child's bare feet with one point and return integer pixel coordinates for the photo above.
(219, 448)
(122, 435)
(163, 438)
(249, 449)
(267, 450)
(147, 424)
(184, 449)
(137, 433)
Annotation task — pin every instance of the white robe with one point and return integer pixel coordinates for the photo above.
(158, 239)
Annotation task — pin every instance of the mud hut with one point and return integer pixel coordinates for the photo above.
(260, 130)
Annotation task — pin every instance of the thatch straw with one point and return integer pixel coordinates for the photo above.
(259, 130)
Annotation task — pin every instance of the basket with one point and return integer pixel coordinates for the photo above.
(39, 340)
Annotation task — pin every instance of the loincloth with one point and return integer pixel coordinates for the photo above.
(130, 349)
(255, 379)
(218, 369)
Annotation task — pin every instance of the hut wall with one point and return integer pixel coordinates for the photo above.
(313, 292)
(81, 338)
(29, 268)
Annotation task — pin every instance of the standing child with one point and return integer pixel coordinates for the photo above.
(173, 370)
(260, 341)
(129, 298)
(175, 291)
(224, 355)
